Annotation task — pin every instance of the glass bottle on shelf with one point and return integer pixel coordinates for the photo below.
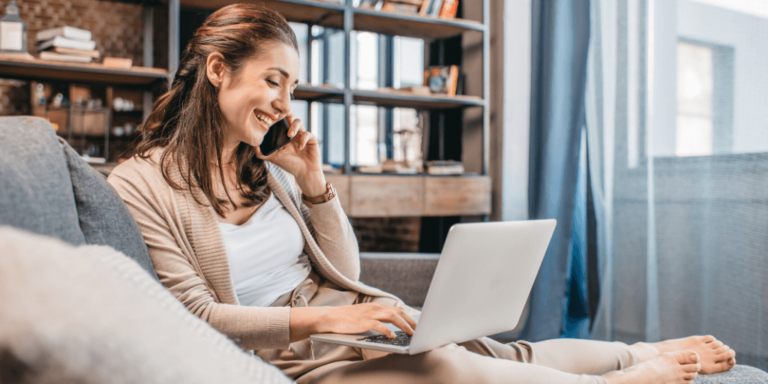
(13, 31)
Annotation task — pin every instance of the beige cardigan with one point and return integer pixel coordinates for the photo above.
(188, 252)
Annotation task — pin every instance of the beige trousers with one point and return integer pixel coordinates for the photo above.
(478, 361)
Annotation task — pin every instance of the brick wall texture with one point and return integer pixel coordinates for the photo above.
(399, 234)
(116, 28)
(14, 97)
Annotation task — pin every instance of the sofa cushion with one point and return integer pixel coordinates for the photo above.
(104, 218)
(740, 374)
(89, 314)
(35, 187)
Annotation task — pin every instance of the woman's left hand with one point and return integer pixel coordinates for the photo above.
(301, 158)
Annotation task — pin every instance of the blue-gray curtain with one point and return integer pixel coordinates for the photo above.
(559, 54)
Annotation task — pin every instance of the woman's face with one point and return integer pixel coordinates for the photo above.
(259, 95)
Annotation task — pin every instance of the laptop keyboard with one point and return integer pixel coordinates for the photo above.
(401, 339)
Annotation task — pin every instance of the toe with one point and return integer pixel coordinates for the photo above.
(686, 357)
(719, 367)
(708, 339)
(690, 376)
(691, 367)
(721, 350)
(727, 355)
(716, 344)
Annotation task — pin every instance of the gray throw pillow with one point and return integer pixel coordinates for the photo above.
(35, 188)
(89, 314)
(104, 218)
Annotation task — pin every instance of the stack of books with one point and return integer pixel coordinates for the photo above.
(445, 167)
(66, 44)
(439, 8)
(402, 6)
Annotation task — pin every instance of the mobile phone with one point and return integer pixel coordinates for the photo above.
(276, 138)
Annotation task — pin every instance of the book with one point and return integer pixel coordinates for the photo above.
(117, 62)
(449, 9)
(48, 55)
(403, 167)
(69, 51)
(430, 8)
(368, 4)
(68, 32)
(416, 3)
(94, 160)
(454, 80)
(424, 7)
(434, 9)
(64, 42)
(445, 167)
(402, 6)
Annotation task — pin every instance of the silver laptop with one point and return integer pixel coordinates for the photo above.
(480, 286)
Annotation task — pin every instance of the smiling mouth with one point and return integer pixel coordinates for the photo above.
(265, 120)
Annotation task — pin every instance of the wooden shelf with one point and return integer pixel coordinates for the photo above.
(413, 196)
(324, 94)
(79, 72)
(390, 23)
(303, 11)
(409, 100)
(332, 16)
(392, 98)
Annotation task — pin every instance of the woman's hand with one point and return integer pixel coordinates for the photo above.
(349, 319)
(301, 158)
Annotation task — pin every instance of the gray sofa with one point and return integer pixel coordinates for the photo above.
(57, 214)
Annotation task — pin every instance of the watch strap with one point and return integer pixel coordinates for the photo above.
(330, 194)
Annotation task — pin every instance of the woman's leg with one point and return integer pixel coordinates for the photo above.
(585, 357)
(446, 365)
(455, 364)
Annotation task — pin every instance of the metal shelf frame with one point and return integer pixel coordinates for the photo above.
(348, 18)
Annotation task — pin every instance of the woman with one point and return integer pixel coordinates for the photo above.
(260, 248)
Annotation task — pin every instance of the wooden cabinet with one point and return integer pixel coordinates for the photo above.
(416, 195)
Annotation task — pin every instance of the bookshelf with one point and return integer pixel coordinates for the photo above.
(426, 195)
(331, 15)
(388, 195)
(389, 23)
(90, 73)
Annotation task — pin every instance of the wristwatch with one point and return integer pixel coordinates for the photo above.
(329, 194)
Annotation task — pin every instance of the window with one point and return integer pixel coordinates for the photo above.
(365, 65)
(377, 61)
(695, 87)
(408, 71)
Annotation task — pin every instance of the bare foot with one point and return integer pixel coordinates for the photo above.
(714, 355)
(679, 367)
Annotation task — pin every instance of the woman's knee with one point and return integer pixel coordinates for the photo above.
(454, 364)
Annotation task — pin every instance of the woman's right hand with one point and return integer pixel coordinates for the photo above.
(349, 319)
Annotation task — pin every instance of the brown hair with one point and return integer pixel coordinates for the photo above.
(187, 120)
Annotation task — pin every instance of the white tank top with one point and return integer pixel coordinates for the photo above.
(265, 254)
